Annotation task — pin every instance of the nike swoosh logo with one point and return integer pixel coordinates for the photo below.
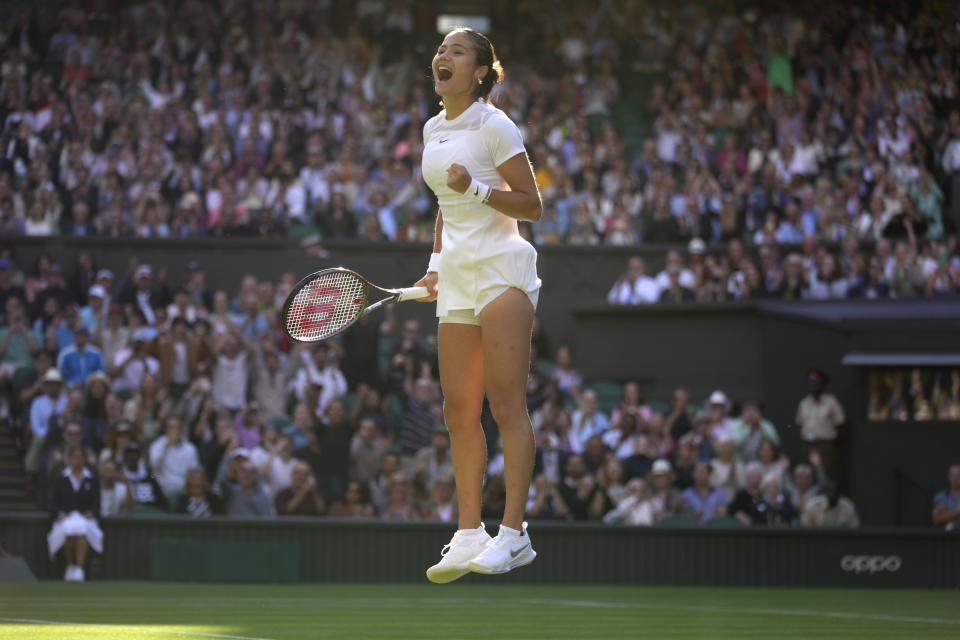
(442, 141)
(514, 553)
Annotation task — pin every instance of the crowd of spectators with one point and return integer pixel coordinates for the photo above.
(186, 400)
(189, 119)
(812, 271)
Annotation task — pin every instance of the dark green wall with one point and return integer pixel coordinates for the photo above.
(358, 551)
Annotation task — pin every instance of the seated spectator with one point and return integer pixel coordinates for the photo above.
(379, 484)
(335, 445)
(417, 423)
(803, 486)
(718, 407)
(245, 496)
(665, 499)
(830, 510)
(116, 498)
(148, 497)
(636, 509)
(674, 263)
(634, 286)
(147, 408)
(659, 441)
(680, 418)
(171, 457)
(399, 499)
(946, 504)
(432, 462)
(76, 508)
(197, 500)
(493, 500)
(750, 430)
(630, 403)
(627, 438)
(80, 359)
(355, 502)
(745, 505)
(546, 501)
(52, 402)
(301, 498)
(578, 488)
(684, 462)
(588, 421)
(701, 501)
(442, 505)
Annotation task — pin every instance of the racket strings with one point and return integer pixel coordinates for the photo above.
(326, 305)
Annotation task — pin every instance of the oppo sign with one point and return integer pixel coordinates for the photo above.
(870, 564)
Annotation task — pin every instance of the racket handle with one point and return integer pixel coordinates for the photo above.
(412, 293)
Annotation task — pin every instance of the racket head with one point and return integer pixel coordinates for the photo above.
(323, 304)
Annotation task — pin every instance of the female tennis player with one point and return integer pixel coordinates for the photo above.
(483, 276)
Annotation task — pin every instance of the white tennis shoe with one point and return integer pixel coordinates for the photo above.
(505, 552)
(465, 545)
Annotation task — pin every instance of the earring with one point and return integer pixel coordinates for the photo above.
(480, 81)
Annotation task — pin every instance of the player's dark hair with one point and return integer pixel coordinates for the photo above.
(484, 55)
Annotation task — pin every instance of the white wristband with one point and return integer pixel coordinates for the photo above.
(434, 264)
(478, 192)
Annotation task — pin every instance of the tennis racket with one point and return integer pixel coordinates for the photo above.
(326, 302)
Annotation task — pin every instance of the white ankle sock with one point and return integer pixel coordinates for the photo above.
(472, 532)
(513, 532)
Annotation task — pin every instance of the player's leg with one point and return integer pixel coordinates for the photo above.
(506, 325)
(461, 377)
(81, 550)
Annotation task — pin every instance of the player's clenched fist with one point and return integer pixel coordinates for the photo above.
(458, 178)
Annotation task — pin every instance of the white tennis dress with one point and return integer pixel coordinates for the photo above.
(482, 254)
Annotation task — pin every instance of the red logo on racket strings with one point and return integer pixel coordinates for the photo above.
(319, 308)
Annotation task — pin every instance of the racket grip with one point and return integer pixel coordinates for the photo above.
(412, 293)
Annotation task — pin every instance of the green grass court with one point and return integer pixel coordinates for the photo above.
(152, 611)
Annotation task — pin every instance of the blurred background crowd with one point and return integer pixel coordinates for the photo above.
(798, 152)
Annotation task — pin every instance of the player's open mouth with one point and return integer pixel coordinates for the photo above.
(444, 74)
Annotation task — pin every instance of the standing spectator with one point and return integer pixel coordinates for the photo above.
(416, 425)
(230, 372)
(113, 336)
(131, 363)
(577, 488)
(18, 343)
(172, 457)
(820, 416)
(335, 445)
(399, 504)
(141, 294)
(750, 430)
(946, 504)
(830, 510)
(197, 500)
(76, 507)
(320, 371)
(701, 501)
(301, 497)
(179, 355)
(719, 422)
(366, 451)
(277, 471)
(80, 359)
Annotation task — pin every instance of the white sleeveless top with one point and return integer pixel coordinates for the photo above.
(482, 254)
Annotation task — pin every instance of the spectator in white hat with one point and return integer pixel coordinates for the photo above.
(666, 499)
(51, 402)
(94, 313)
(720, 422)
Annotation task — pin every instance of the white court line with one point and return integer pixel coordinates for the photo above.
(761, 611)
(201, 634)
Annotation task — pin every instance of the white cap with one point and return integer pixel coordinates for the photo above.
(697, 246)
(144, 270)
(661, 467)
(97, 291)
(718, 397)
(52, 375)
